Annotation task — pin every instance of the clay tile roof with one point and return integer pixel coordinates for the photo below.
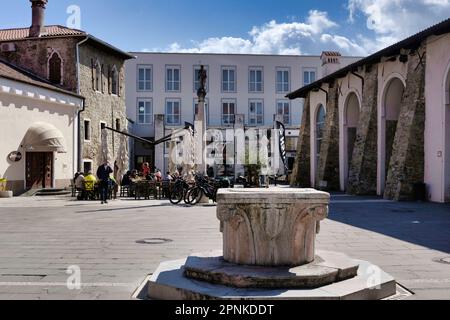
(51, 31)
(15, 73)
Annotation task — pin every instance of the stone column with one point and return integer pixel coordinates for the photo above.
(328, 168)
(408, 156)
(363, 168)
(301, 175)
(159, 134)
(271, 227)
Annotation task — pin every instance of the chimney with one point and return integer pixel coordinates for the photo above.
(37, 28)
(331, 62)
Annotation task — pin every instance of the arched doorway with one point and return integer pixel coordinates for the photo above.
(390, 113)
(318, 136)
(351, 120)
(447, 140)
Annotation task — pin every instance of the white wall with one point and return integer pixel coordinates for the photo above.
(214, 62)
(21, 106)
(437, 123)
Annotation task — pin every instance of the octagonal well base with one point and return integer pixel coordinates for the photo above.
(328, 268)
(170, 283)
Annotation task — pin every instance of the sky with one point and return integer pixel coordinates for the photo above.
(353, 27)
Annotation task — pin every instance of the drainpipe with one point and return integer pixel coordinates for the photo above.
(80, 149)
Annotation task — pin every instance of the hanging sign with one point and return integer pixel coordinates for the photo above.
(15, 156)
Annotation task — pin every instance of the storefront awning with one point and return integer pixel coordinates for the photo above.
(42, 136)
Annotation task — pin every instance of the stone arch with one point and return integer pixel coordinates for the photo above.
(389, 113)
(319, 127)
(114, 81)
(55, 68)
(351, 115)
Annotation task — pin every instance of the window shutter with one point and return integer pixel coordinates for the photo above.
(93, 73)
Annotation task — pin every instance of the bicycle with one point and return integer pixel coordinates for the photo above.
(202, 188)
(179, 191)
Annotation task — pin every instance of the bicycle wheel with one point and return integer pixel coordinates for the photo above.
(176, 195)
(194, 195)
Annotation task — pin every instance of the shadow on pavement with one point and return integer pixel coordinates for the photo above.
(423, 224)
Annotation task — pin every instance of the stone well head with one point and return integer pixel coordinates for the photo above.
(271, 227)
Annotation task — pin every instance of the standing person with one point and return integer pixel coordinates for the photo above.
(103, 174)
(146, 169)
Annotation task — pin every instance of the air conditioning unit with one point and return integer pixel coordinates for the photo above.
(8, 47)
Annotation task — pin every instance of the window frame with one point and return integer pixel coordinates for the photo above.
(172, 114)
(90, 130)
(283, 69)
(288, 102)
(138, 81)
(309, 71)
(250, 101)
(138, 100)
(231, 116)
(115, 77)
(228, 68)
(255, 68)
(98, 77)
(173, 67)
(61, 72)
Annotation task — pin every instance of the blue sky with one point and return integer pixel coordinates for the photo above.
(354, 27)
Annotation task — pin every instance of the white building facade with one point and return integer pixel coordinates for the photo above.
(161, 95)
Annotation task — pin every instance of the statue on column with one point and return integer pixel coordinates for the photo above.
(202, 77)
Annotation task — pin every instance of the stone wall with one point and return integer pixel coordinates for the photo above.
(407, 161)
(101, 106)
(33, 55)
(363, 168)
(328, 166)
(301, 174)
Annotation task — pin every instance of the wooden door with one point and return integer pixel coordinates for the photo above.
(39, 170)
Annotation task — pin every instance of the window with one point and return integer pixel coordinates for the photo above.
(228, 112)
(114, 81)
(196, 81)
(256, 112)
(55, 67)
(283, 84)
(309, 76)
(206, 108)
(87, 130)
(256, 80)
(87, 166)
(320, 125)
(228, 79)
(144, 111)
(173, 112)
(173, 78)
(118, 124)
(98, 85)
(102, 125)
(284, 109)
(145, 78)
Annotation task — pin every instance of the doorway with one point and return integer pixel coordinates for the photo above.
(351, 121)
(390, 115)
(39, 170)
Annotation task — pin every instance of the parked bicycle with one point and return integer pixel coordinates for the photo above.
(203, 187)
(179, 190)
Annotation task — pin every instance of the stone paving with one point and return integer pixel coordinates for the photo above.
(42, 237)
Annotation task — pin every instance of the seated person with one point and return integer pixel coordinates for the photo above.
(89, 185)
(126, 180)
(168, 177)
(158, 176)
(79, 184)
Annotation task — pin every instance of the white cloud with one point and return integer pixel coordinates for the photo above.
(394, 20)
(270, 38)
